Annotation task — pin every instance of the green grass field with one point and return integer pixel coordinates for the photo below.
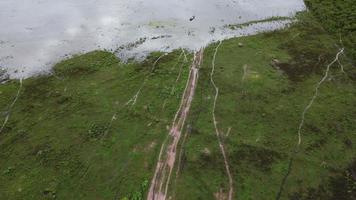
(59, 141)
(72, 135)
(263, 106)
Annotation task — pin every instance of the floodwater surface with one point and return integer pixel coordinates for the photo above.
(35, 34)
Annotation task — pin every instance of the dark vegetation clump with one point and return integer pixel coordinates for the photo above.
(147, 65)
(153, 61)
(334, 24)
(308, 44)
(210, 159)
(339, 18)
(140, 193)
(85, 64)
(96, 131)
(48, 156)
(342, 186)
(259, 157)
(40, 88)
(317, 144)
(348, 143)
(7, 128)
(11, 139)
(4, 77)
(36, 88)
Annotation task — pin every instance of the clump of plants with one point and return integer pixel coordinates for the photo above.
(338, 18)
(139, 194)
(96, 131)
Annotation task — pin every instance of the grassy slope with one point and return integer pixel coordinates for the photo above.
(264, 112)
(339, 18)
(57, 141)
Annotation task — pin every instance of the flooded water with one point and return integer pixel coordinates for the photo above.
(35, 34)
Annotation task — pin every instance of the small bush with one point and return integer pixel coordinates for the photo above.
(96, 131)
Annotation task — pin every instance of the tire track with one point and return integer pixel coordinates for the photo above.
(167, 156)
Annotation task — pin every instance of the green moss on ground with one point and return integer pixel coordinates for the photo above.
(60, 142)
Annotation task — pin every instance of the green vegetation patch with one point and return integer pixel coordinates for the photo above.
(265, 82)
(82, 134)
(338, 18)
(87, 63)
(72, 135)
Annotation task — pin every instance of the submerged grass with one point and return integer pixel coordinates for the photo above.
(270, 19)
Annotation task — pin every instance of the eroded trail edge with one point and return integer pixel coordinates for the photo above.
(167, 155)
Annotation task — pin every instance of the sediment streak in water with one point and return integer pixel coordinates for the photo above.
(168, 152)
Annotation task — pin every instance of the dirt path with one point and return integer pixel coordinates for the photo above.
(218, 135)
(10, 108)
(316, 94)
(167, 156)
(306, 109)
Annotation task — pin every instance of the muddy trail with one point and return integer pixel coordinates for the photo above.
(167, 156)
